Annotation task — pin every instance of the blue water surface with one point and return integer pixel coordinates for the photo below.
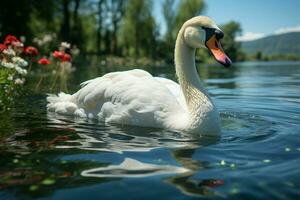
(46, 156)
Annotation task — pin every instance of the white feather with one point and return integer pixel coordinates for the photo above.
(135, 97)
(132, 97)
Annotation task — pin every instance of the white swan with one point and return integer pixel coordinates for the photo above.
(137, 98)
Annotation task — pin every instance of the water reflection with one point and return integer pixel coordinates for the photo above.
(117, 138)
(186, 182)
(131, 168)
(63, 139)
(120, 139)
(44, 155)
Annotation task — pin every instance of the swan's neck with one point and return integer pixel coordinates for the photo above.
(200, 106)
(186, 67)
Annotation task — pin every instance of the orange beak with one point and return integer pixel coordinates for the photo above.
(216, 49)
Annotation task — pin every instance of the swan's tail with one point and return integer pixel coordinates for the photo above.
(61, 104)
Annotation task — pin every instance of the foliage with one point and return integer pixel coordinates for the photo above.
(31, 17)
(57, 68)
(186, 10)
(12, 72)
(10, 87)
(138, 29)
(230, 46)
(175, 17)
(169, 15)
(16, 62)
(122, 28)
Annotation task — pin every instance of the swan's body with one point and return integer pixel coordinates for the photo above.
(137, 98)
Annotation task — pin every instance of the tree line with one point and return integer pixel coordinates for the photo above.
(109, 27)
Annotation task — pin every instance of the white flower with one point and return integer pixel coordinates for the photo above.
(9, 52)
(22, 38)
(17, 44)
(20, 70)
(8, 65)
(20, 61)
(65, 45)
(67, 66)
(75, 51)
(47, 38)
(38, 41)
(19, 81)
(35, 40)
(10, 78)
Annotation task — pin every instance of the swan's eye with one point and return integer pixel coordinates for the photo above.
(219, 34)
(209, 32)
(212, 31)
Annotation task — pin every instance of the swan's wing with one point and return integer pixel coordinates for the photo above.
(175, 89)
(112, 75)
(130, 97)
(108, 86)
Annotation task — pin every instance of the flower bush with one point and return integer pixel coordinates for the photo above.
(16, 62)
(63, 65)
(12, 70)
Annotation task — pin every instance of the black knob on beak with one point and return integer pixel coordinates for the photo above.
(219, 34)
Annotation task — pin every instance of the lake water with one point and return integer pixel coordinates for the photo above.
(258, 156)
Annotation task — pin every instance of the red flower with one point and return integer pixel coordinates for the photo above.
(44, 61)
(32, 51)
(2, 47)
(66, 58)
(10, 39)
(58, 54)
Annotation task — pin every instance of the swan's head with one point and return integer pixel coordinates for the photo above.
(202, 32)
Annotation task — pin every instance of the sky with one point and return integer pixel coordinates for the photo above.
(258, 18)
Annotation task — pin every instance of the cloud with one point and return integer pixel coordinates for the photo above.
(287, 30)
(249, 36)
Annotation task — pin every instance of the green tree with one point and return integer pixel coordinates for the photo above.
(17, 16)
(230, 45)
(109, 16)
(186, 10)
(169, 15)
(138, 29)
(117, 9)
(77, 27)
(100, 19)
(258, 55)
(175, 17)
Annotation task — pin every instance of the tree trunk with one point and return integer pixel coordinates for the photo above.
(114, 37)
(99, 29)
(75, 13)
(107, 42)
(117, 15)
(65, 29)
(76, 33)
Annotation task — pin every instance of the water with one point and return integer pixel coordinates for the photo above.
(47, 156)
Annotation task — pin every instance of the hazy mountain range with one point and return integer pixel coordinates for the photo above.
(283, 44)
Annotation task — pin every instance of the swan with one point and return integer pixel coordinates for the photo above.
(137, 98)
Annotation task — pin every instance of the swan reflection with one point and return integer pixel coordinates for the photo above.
(131, 168)
(119, 139)
(123, 139)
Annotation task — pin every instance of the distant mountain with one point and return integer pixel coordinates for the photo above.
(283, 44)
